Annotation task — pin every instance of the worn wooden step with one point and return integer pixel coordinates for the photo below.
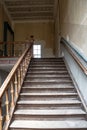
(49, 125)
(48, 83)
(47, 60)
(49, 88)
(47, 78)
(47, 67)
(60, 86)
(38, 96)
(50, 73)
(49, 114)
(48, 103)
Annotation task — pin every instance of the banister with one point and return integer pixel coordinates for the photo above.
(76, 55)
(6, 82)
(12, 85)
(12, 47)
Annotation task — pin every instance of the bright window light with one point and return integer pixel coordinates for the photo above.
(37, 51)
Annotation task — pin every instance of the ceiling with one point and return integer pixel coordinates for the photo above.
(31, 9)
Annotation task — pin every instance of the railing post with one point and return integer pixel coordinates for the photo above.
(0, 116)
(19, 79)
(21, 74)
(7, 105)
(23, 68)
(16, 87)
(12, 95)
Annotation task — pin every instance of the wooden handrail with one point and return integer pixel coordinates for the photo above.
(75, 56)
(12, 86)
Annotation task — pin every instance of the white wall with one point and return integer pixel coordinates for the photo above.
(78, 74)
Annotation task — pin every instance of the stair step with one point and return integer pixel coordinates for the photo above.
(60, 86)
(47, 62)
(47, 83)
(47, 78)
(49, 125)
(49, 65)
(49, 114)
(41, 88)
(50, 102)
(38, 96)
(46, 69)
(48, 72)
(47, 59)
(67, 104)
(49, 94)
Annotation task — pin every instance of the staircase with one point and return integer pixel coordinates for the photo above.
(48, 99)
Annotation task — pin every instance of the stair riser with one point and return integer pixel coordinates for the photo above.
(46, 83)
(47, 78)
(52, 61)
(59, 86)
(48, 96)
(51, 65)
(47, 64)
(66, 90)
(45, 67)
(42, 70)
(47, 106)
(45, 74)
(49, 117)
(45, 98)
(38, 76)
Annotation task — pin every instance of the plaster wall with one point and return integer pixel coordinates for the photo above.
(73, 23)
(42, 31)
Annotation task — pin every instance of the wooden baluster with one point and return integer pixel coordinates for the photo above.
(7, 105)
(12, 95)
(23, 69)
(0, 116)
(16, 87)
(19, 79)
(21, 74)
(26, 60)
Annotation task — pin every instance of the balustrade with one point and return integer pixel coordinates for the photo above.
(11, 87)
(13, 48)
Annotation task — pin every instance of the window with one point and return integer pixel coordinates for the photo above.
(37, 51)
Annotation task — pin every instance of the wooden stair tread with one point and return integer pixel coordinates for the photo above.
(50, 112)
(67, 124)
(53, 93)
(50, 102)
(48, 86)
